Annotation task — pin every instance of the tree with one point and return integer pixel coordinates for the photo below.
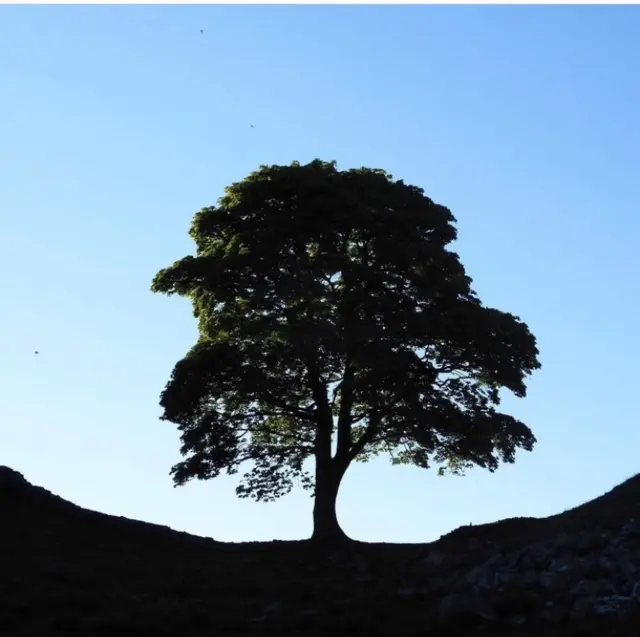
(334, 324)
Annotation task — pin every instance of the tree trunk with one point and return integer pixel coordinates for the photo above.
(326, 528)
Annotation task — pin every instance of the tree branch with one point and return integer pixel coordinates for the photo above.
(368, 436)
(344, 418)
(288, 409)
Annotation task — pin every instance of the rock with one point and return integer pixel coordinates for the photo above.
(434, 558)
(562, 564)
(580, 609)
(627, 568)
(611, 604)
(562, 541)
(548, 580)
(631, 528)
(554, 614)
(474, 544)
(586, 588)
(564, 578)
(273, 607)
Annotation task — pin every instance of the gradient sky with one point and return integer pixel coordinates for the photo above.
(118, 123)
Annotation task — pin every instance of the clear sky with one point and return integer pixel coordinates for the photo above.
(118, 123)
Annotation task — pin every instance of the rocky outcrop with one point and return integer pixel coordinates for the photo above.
(565, 578)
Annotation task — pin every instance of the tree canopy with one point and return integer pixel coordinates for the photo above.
(335, 324)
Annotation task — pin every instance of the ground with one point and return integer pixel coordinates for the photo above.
(69, 571)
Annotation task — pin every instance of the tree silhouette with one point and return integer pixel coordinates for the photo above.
(335, 324)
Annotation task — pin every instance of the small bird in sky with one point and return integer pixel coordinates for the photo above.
(36, 352)
(252, 126)
(201, 31)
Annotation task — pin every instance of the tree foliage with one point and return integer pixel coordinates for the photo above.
(335, 323)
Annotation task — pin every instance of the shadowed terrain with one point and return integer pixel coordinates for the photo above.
(69, 571)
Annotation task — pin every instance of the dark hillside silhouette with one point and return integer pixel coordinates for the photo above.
(68, 571)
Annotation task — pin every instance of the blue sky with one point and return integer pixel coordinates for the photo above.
(117, 123)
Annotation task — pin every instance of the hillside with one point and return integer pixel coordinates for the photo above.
(69, 571)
